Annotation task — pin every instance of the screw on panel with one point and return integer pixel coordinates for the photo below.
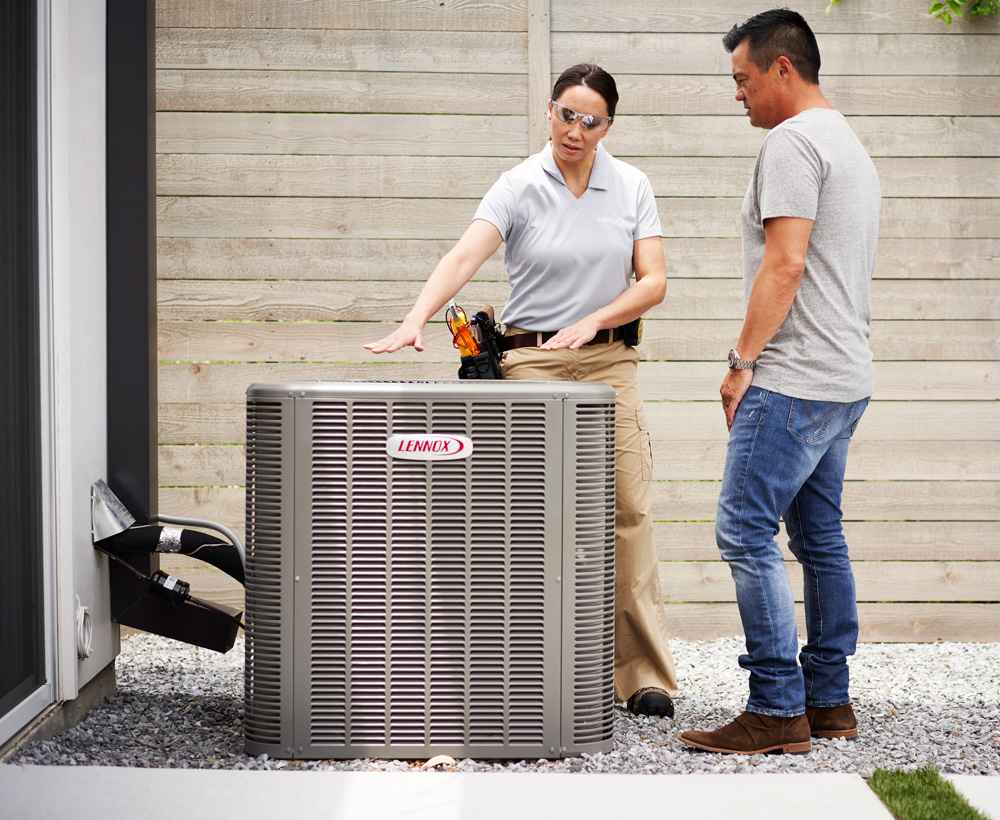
(296, 579)
(558, 579)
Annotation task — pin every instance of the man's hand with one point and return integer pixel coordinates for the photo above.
(734, 387)
(408, 333)
(574, 336)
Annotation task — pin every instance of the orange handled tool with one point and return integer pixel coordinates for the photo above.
(461, 331)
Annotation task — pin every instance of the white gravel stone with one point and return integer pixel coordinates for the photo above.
(182, 707)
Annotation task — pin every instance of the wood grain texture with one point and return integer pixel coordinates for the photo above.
(341, 134)
(394, 92)
(340, 92)
(689, 94)
(866, 540)
(639, 52)
(889, 17)
(317, 158)
(429, 15)
(373, 49)
(881, 622)
(660, 381)
(414, 259)
(185, 420)
(394, 218)
(879, 581)
(196, 465)
(903, 136)
(662, 339)
(862, 500)
(481, 135)
(471, 177)
(189, 299)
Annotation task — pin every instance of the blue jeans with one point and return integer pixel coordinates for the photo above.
(786, 457)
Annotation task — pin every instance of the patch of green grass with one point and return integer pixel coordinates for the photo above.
(921, 795)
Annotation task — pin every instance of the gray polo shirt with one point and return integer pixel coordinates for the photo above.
(812, 166)
(567, 257)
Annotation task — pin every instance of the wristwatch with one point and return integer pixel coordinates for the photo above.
(736, 363)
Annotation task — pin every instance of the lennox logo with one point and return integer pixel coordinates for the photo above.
(428, 447)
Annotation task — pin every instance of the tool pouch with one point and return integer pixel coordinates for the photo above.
(632, 332)
(485, 365)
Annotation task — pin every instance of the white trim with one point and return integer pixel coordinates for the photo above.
(56, 345)
(25, 712)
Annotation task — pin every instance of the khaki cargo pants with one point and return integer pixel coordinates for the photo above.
(642, 655)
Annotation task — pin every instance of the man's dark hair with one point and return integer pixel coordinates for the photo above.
(591, 76)
(776, 32)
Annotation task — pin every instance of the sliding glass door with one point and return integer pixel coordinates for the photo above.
(22, 647)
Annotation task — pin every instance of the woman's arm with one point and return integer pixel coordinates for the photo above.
(458, 266)
(650, 288)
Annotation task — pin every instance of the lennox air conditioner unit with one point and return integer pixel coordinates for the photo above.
(430, 569)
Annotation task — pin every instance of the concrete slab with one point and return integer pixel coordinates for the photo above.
(97, 793)
(983, 793)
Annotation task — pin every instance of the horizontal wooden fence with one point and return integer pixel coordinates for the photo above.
(316, 158)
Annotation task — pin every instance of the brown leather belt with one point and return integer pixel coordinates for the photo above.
(540, 337)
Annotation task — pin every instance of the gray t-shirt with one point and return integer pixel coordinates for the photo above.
(813, 166)
(566, 256)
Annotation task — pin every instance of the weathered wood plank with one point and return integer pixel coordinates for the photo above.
(340, 91)
(696, 501)
(866, 540)
(424, 15)
(890, 17)
(880, 623)
(876, 581)
(642, 52)
(345, 134)
(862, 500)
(343, 259)
(311, 176)
(884, 420)
(191, 422)
(703, 621)
(334, 49)
(661, 381)
(189, 299)
(881, 136)
(662, 339)
(197, 465)
(391, 218)
(414, 259)
(474, 135)
(690, 94)
(368, 92)
(292, 175)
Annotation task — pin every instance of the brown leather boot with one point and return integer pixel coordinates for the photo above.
(836, 721)
(753, 734)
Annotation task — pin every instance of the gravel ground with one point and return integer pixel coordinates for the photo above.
(917, 704)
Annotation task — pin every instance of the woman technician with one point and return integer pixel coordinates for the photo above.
(577, 222)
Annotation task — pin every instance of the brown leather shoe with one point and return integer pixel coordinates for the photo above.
(753, 734)
(836, 721)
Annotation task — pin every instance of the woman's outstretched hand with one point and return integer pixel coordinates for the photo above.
(574, 336)
(406, 335)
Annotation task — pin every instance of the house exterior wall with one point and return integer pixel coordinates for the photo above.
(315, 159)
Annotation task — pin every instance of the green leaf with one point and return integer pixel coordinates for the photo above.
(934, 9)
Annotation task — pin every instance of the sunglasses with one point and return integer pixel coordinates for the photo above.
(569, 116)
